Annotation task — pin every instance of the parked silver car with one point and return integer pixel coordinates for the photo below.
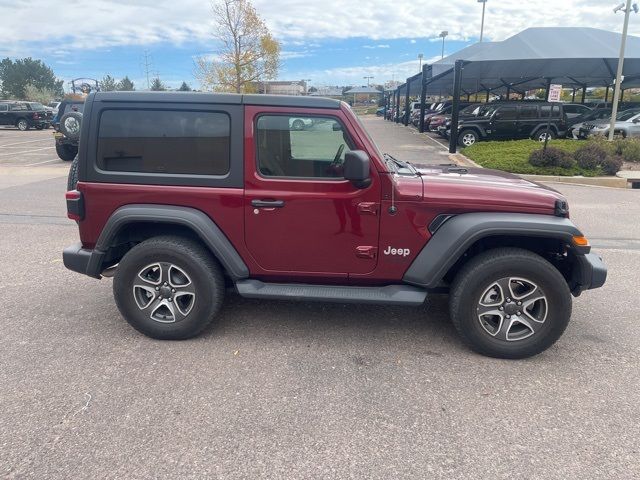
(627, 125)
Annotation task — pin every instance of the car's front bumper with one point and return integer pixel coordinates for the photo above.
(591, 272)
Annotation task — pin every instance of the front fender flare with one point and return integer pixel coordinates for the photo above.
(454, 237)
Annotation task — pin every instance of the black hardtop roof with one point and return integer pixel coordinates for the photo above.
(219, 98)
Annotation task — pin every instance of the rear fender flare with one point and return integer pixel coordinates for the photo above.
(195, 220)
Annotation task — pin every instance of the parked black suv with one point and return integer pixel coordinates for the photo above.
(24, 115)
(514, 120)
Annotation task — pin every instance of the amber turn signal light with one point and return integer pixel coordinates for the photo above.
(580, 241)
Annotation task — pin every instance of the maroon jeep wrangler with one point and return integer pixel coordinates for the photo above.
(182, 196)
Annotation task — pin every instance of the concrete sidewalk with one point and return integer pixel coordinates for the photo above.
(405, 143)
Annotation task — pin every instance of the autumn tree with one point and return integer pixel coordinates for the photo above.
(125, 85)
(248, 52)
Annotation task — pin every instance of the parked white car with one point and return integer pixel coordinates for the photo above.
(627, 125)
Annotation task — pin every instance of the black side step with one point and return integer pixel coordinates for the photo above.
(389, 295)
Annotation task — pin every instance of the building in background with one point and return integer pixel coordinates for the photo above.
(281, 87)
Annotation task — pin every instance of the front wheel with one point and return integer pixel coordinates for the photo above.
(510, 303)
(466, 138)
(169, 288)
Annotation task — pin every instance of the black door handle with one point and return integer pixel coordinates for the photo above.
(267, 203)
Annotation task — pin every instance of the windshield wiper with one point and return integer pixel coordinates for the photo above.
(402, 164)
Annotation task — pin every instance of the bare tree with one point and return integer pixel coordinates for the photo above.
(248, 52)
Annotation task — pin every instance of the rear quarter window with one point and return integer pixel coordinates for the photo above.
(164, 142)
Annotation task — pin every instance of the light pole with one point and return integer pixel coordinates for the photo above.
(484, 4)
(367, 79)
(443, 34)
(420, 57)
(619, 78)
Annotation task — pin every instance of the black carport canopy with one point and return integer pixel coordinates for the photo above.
(573, 57)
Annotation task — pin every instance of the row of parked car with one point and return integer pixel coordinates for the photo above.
(510, 120)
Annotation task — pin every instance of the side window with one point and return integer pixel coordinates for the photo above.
(546, 109)
(17, 107)
(164, 141)
(4, 107)
(507, 113)
(528, 111)
(306, 147)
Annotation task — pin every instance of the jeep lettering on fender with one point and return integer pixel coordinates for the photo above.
(179, 196)
(402, 252)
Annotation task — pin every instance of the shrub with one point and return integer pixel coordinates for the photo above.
(630, 151)
(566, 161)
(590, 155)
(612, 164)
(552, 157)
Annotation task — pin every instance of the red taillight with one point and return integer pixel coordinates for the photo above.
(75, 205)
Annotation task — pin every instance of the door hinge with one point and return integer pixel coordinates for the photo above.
(368, 208)
(366, 251)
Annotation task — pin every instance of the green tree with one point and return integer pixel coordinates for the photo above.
(248, 54)
(184, 87)
(35, 94)
(125, 85)
(16, 75)
(108, 84)
(157, 85)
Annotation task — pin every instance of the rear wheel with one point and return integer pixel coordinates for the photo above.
(66, 152)
(510, 303)
(467, 137)
(168, 288)
(72, 178)
(39, 127)
(542, 134)
(22, 125)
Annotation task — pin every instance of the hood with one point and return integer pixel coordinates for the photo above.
(481, 189)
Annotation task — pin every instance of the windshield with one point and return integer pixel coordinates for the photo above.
(74, 107)
(627, 115)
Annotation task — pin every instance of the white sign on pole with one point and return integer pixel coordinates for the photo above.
(555, 91)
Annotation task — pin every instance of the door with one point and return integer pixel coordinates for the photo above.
(527, 120)
(634, 127)
(4, 114)
(505, 122)
(302, 217)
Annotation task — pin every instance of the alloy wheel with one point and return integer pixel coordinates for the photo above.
(468, 139)
(512, 309)
(165, 292)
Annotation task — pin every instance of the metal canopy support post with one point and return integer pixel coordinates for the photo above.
(426, 76)
(584, 92)
(406, 103)
(457, 84)
(573, 95)
(606, 94)
(621, 94)
(397, 115)
(548, 88)
(488, 93)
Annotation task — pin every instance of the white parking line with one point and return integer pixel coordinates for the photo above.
(436, 141)
(41, 163)
(26, 151)
(48, 139)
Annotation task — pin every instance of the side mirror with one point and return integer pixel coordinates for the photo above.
(356, 168)
(636, 120)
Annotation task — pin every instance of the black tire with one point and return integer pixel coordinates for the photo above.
(540, 134)
(22, 125)
(201, 269)
(467, 137)
(72, 178)
(472, 285)
(66, 152)
(39, 127)
(71, 133)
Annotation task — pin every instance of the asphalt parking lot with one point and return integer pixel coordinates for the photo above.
(302, 390)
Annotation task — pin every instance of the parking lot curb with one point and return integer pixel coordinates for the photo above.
(616, 182)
